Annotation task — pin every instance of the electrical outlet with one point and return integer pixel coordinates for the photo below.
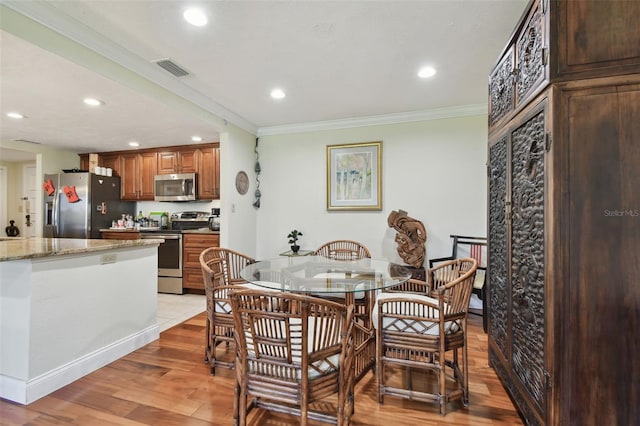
(108, 258)
(233, 208)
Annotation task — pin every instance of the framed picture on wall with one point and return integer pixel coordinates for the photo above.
(354, 176)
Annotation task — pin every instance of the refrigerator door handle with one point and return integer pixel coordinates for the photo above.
(55, 213)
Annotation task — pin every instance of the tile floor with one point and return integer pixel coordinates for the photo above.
(176, 308)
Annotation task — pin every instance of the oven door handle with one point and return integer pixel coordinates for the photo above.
(163, 237)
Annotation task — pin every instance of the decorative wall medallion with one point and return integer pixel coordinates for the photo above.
(242, 182)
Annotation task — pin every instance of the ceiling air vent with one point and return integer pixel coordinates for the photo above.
(172, 67)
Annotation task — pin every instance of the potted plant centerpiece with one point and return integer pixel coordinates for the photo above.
(293, 240)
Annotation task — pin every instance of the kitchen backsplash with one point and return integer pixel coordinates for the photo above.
(170, 207)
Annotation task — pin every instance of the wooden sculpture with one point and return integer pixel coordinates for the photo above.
(411, 237)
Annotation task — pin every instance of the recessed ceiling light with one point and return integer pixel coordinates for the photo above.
(93, 102)
(426, 72)
(15, 115)
(196, 138)
(277, 94)
(134, 144)
(195, 17)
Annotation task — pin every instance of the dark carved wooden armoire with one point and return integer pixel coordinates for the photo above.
(564, 213)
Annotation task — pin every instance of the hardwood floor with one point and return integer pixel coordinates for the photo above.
(167, 383)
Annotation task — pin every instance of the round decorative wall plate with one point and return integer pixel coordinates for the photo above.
(242, 182)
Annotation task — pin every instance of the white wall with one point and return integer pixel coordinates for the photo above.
(238, 216)
(435, 170)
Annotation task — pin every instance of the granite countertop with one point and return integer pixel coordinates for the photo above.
(29, 248)
(119, 230)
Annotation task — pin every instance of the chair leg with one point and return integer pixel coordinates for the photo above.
(236, 404)
(212, 357)
(379, 368)
(304, 407)
(240, 404)
(442, 387)
(207, 347)
(465, 372)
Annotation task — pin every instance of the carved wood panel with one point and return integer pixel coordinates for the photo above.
(501, 89)
(527, 256)
(497, 263)
(531, 419)
(529, 55)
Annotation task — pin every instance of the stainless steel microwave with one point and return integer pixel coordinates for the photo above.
(176, 187)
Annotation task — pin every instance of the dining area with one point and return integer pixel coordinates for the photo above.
(301, 334)
(167, 383)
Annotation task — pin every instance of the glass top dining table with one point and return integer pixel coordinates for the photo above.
(346, 280)
(320, 276)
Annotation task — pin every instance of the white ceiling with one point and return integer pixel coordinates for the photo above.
(336, 60)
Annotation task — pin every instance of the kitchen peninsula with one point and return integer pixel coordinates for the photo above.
(71, 306)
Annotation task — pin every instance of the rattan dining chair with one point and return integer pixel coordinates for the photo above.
(343, 250)
(220, 269)
(363, 301)
(292, 351)
(476, 248)
(425, 328)
(349, 250)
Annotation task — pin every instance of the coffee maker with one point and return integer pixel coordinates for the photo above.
(214, 219)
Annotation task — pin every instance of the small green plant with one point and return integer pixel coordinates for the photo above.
(293, 237)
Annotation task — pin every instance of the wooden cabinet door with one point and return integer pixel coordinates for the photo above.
(596, 38)
(148, 165)
(193, 245)
(188, 160)
(531, 55)
(112, 162)
(167, 162)
(84, 161)
(209, 174)
(517, 287)
(497, 276)
(501, 89)
(130, 176)
(527, 249)
(178, 161)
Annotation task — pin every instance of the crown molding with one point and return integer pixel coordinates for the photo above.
(376, 120)
(46, 14)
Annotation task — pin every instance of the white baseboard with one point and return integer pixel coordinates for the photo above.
(26, 392)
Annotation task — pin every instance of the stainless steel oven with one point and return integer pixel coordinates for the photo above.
(169, 261)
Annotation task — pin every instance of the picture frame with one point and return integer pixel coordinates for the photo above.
(354, 176)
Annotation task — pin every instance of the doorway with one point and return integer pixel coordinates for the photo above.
(28, 206)
(3, 197)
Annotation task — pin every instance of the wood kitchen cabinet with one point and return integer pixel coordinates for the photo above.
(564, 215)
(178, 161)
(120, 235)
(209, 173)
(111, 161)
(138, 172)
(193, 244)
(138, 168)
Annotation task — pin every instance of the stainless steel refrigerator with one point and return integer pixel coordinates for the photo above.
(80, 204)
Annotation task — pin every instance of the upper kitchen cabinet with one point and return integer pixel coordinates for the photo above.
(183, 160)
(138, 172)
(111, 161)
(137, 169)
(209, 173)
